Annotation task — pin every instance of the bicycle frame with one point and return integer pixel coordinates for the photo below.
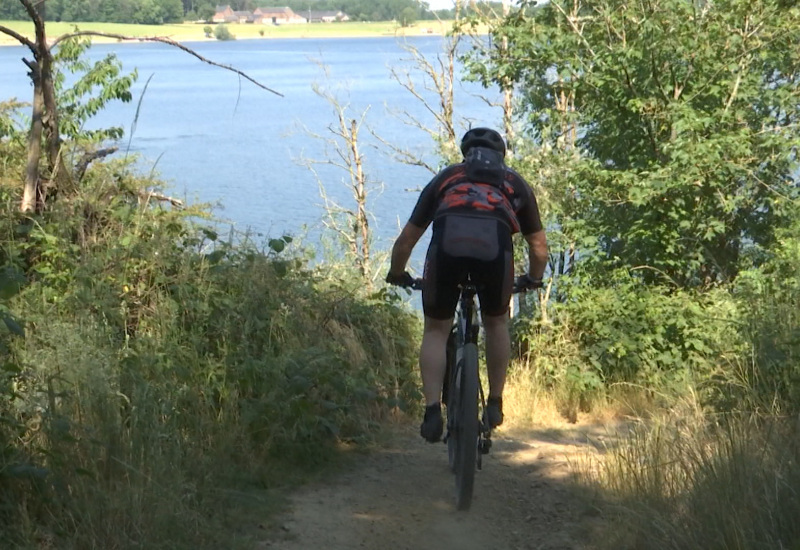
(466, 320)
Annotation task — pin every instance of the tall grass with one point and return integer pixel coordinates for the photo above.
(690, 481)
(168, 380)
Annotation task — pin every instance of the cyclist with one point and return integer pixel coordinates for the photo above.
(475, 207)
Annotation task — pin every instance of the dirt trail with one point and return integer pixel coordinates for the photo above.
(401, 497)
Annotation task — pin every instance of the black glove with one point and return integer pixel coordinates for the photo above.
(526, 282)
(404, 280)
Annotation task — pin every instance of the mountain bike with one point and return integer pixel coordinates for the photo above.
(468, 435)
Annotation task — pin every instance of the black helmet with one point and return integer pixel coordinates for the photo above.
(483, 137)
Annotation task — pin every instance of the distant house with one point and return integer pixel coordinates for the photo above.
(325, 16)
(277, 16)
(242, 17)
(222, 14)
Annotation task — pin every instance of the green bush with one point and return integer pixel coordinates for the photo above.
(222, 32)
(656, 338)
(769, 301)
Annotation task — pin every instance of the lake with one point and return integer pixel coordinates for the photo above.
(216, 138)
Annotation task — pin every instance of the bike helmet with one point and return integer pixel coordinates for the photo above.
(483, 137)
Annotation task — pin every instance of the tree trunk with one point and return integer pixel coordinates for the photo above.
(44, 123)
(59, 174)
(362, 221)
(29, 196)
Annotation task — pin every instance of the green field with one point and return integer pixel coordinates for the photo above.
(187, 32)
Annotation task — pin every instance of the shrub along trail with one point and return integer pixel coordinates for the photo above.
(401, 497)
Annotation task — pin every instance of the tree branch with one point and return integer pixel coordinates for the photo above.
(88, 157)
(170, 42)
(146, 196)
(575, 28)
(19, 38)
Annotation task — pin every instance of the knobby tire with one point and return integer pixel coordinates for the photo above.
(450, 399)
(466, 428)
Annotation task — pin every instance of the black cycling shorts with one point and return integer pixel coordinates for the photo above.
(463, 247)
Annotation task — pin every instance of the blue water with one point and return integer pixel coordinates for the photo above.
(216, 138)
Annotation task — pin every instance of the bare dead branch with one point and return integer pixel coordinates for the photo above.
(351, 225)
(89, 157)
(439, 79)
(147, 196)
(31, 8)
(170, 42)
(404, 155)
(442, 79)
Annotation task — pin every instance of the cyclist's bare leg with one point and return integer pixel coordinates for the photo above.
(433, 357)
(498, 351)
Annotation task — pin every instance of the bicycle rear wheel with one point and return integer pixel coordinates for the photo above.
(450, 398)
(466, 428)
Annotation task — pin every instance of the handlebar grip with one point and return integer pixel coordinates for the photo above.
(525, 283)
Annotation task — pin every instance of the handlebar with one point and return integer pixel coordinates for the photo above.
(519, 286)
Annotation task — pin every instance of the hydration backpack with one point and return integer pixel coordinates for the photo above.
(485, 165)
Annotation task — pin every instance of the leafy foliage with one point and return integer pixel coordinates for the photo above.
(769, 298)
(680, 116)
(662, 145)
(178, 356)
(658, 339)
(95, 86)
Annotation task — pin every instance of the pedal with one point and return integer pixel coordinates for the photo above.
(484, 446)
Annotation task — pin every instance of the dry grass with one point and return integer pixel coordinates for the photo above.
(528, 402)
(691, 480)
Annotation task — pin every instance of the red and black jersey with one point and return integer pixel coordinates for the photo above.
(450, 191)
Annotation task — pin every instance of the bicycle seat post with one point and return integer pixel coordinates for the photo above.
(468, 310)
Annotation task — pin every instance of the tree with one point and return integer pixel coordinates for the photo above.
(205, 12)
(350, 224)
(45, 118)
(10, 9)
(407, 17)
(439, 78)
(172, 11)
(682, 120)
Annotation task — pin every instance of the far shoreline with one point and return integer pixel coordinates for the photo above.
(192, 32)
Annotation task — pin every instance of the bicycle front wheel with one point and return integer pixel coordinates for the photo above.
(466, 433)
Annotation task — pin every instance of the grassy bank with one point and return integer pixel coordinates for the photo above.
(192, 32)
(165, 386)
